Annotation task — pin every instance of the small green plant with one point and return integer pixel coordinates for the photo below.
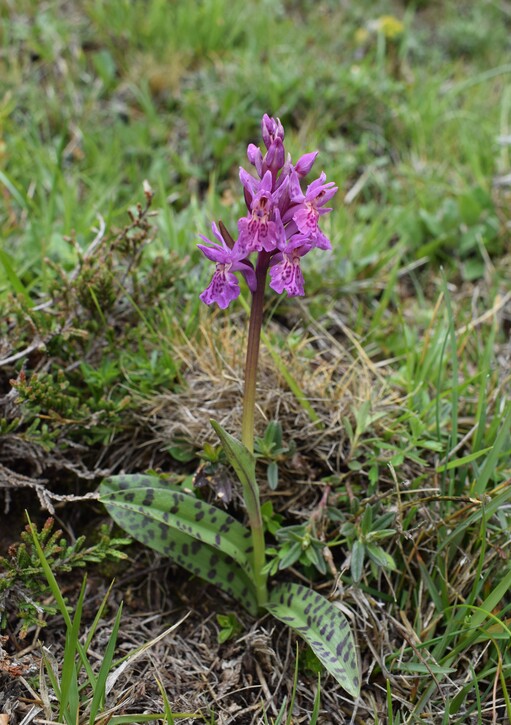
(296, 544)
(78, 693)
(363, 536)
(23, 583)
(229, 627)
(270, 449)
(281, 227)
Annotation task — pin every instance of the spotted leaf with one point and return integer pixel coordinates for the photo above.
(202, 538)
(323, 627)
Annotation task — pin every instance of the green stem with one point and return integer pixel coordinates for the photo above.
(247, 427)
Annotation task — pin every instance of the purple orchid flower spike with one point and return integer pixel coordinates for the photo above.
(281, 226)
(224, 286)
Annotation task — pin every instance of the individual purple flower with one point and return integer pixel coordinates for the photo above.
(257, 230)
(224, 286)
(285, 269)
(311, 207)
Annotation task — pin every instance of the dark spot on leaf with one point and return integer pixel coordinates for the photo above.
(149, 497)
(199, 516)
(342, 645)
(211, 574)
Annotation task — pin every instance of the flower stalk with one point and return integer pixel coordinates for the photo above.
(251, 497)
(252, 357)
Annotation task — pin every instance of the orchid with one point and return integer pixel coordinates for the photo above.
(281, 225)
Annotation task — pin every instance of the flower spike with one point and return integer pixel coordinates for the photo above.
(281, 225)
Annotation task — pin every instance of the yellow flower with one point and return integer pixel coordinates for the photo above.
(390, 26)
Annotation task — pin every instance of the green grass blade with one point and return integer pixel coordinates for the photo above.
(489, 466)
(19, 198)
(169, 717)
(73, 705)
(54, 587)
(390, 711)
(317, 703)
(15, 282)
(97, 618)
(484, 512)
(457, 462)
(486, 362)
(293, 692)
(68, 682)
(106, 665)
